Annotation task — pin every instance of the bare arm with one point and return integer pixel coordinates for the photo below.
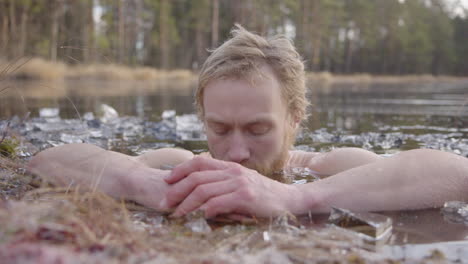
(116, 174)
(333, 162)
(410, 180)
(164, 157)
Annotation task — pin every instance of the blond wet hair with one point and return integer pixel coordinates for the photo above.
(242, 55)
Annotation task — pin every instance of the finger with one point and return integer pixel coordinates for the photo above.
(224, 204)
(203, 193)
(179, 191)
(196, 164)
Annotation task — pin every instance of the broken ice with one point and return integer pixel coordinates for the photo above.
(49, 112)
(196, 222)
(455, 212)
(369, 226)
(107, 113)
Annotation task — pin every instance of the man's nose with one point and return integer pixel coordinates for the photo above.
(238, 148)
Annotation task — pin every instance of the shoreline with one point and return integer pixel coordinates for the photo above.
(37, 69)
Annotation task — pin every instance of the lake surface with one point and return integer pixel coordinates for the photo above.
(395, 116)
(382, 117)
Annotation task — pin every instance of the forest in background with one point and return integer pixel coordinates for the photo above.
(382, 37)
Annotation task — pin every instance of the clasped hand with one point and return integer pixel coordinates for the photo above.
(220, 187)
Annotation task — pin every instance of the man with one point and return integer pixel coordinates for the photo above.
(251, 99)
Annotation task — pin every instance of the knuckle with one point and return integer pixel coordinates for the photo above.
(199, 159)
(242, 181)
(246, 194)
(236, 169)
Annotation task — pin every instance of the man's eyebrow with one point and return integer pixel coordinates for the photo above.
(261, 120)
(266, 118)
(213, 118)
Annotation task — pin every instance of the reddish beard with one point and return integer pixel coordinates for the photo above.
(276, 166)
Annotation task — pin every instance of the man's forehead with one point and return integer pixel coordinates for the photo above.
(252, 74)
(213, 117)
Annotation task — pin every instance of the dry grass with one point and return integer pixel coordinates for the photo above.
(40, 69)
(36, 69)
(111, 72)
(94, 227)
(326, 77)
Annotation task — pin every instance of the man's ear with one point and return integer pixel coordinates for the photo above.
(294, 120)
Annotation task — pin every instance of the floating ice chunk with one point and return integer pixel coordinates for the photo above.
(303, 181)
(197, 222)
(50, 127)
(49, 112)
(95, 134)
(455, 212)
(88, 116)
(198, 226)
(368, 226)
(188, 122)
(303, 175)
(287, 223)
(168, 114)
(107, 113)
(189, 127)
(73, 138)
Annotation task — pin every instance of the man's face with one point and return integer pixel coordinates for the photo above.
(247, 122)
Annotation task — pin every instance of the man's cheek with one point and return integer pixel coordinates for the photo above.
(268, 143)
(217, 148)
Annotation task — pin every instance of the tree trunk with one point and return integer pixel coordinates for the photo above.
(199, 42)
(23, 31)
(5, 34)
(164, 34)
(88, 33)
(13, 30)
(121, 32)
(239, 11)
(54, 29)
(317, 36)
(304, 37)
(349, 56)
(215, 24)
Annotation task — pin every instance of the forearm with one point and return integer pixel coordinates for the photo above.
(410, 180)
(169, 157)
(89, 167)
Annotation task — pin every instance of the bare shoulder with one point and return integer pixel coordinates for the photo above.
(299, 158)
(334, 161)
(439, 156)
(164, 156)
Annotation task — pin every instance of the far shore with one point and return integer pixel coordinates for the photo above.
(43, 70)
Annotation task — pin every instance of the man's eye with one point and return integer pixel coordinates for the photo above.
(219, 129)
(258, 130)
